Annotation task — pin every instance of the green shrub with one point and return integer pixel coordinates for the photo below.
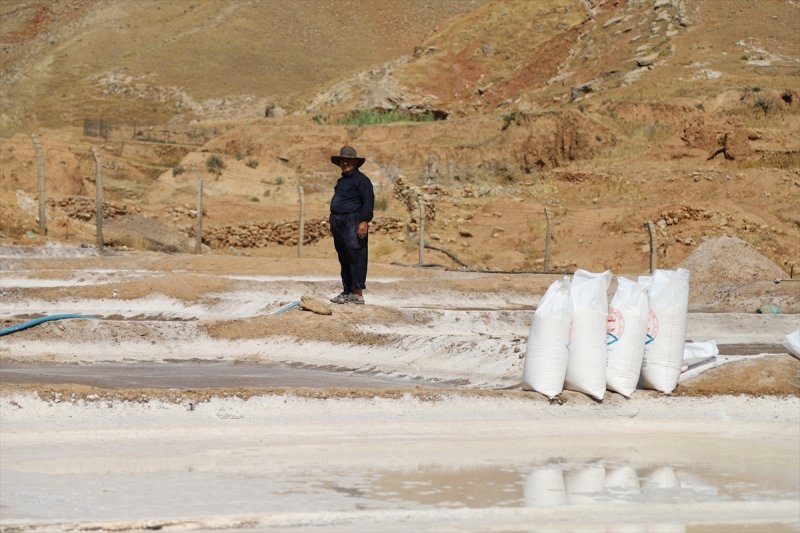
(508, 118)
(252, 163)
(765, 104)
(215, 164)
(177, 170)
(367, 117)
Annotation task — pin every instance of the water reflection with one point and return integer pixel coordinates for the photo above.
(553, 488)
(597, 483)
(558, 482)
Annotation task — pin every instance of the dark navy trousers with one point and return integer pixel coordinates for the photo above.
(352, 251)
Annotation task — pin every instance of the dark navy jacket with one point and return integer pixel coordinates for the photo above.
(353, 194)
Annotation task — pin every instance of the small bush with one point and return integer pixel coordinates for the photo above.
(252, 163)
(215, 164)
(508, 118)
(765, 104)
(177, 170)
(151, 139)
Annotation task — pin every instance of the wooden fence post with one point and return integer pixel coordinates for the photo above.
(547, 236)
(98, 199)
(40, 172)
(198, 221)
(651, 233)
(421, 230)
(301, 236)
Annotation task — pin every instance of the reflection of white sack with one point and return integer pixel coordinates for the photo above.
(628, 528)
(586, 485)
(627, 332)
(622, 482)
(543, 487)
(663, 355)
(586, 371)
(663, 477)
(792, 343)
(666, 528)
(696, 484)
(547, 354)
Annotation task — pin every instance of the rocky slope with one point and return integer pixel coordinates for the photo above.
(600, 115)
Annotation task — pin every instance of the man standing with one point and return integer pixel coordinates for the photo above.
(351, 211)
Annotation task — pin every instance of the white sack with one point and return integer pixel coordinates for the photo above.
(547, 354)
(628, 318)
(586, 371)
(792, 343)
(695, 353)
(663, 354)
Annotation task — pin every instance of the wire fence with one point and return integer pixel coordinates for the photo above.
(162, 133)
(299, 232)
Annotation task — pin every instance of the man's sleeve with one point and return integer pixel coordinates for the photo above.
(367, 199)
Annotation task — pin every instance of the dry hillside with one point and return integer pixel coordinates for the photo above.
(158, 61)
(607, 114)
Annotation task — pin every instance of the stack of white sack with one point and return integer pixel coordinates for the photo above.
(579, 342)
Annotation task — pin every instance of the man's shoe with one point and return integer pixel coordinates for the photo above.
(355, 299)
(341, 298)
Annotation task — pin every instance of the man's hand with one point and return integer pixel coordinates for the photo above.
(363, 228)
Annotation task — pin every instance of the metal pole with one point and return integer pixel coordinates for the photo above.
(421, 230)
(198, 221)
(302, 221)
(652, 235)
(547, 236)
(40, 171)
(98, 199)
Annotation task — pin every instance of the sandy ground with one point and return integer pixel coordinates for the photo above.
(431, 432)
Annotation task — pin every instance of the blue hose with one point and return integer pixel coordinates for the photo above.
(37, 321)
(287, 307)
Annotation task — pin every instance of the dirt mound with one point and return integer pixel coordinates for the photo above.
(729, 274)
(18, 166)
(771, 375)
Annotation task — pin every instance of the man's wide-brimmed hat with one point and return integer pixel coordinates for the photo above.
(347, 152)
